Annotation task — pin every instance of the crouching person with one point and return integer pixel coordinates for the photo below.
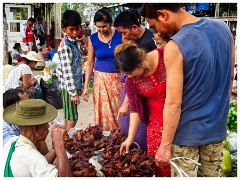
(21, 157)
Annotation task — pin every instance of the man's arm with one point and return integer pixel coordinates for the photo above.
(90, 64)
(51, 156)
(172, 109)
(58, 135)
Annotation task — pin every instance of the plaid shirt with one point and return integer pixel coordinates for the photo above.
(64, 68)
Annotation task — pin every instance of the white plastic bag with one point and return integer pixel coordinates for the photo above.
(232, 139)
(59, 120)
(47, 77)
(179, 170)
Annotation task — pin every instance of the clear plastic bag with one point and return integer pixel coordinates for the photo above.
(59, 120)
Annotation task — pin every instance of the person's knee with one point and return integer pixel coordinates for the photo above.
(70, 124)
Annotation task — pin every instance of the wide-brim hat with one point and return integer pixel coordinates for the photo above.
(32, 56)
(30, 112)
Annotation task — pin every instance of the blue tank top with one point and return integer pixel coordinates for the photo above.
(206, 47)
(105, 55)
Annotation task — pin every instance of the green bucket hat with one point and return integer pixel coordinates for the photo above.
(30, 112)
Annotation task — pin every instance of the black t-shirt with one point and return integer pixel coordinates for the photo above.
(146, 41)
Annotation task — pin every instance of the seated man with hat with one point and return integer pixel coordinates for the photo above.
(10, 97)
(21, 157)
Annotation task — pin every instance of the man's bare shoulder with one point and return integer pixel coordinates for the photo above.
(171, 47)
(172, 51)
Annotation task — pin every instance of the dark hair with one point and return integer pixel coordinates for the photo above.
(11, 97)
(71, 18)
(32, 19)
(164, 37)
(34, 48)
(127, 56)
(16, 45)
(103, 15)
(87, 23)
(39, 18)
(126, 19)
(136, 12)
(150, 9)
(26, 60)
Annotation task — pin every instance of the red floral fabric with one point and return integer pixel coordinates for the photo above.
(153, 88)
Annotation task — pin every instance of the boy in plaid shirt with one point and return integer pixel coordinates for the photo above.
(70, 67)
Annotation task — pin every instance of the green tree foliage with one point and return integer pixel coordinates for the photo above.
(86, 10)
(232, 118)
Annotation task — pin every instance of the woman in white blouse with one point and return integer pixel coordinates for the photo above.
(22, 75)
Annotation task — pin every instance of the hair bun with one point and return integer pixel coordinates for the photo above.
(125, 45)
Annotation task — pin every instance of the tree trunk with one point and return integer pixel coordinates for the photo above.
(58, 29)
(48, 18)
(217, 10)
(5, 38)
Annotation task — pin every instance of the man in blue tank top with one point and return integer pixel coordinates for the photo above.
(199, 62)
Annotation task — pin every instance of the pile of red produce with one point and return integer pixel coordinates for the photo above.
(134, 164)
(87, 142)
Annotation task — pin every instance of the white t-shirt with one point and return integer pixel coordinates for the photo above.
(27, 161)
(13, 79)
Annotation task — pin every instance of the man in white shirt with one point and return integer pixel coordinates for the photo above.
(20, 155)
